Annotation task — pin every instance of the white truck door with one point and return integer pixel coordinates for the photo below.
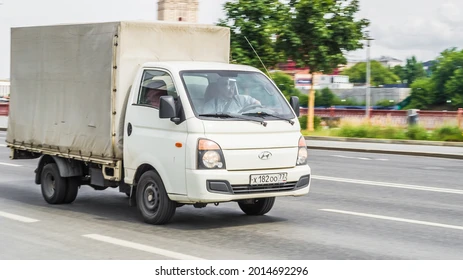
(150, 140)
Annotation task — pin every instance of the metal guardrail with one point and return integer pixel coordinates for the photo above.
(428, 119)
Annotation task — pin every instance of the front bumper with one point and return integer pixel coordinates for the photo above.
(209, 186)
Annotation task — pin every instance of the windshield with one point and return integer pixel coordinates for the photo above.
(234, 92)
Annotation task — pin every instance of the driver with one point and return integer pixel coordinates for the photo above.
(225, 98)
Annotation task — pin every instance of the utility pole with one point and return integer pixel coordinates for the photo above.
(368, 84)
(311, 112)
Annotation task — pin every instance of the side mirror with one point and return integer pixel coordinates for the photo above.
(294, 102)
(167, 109)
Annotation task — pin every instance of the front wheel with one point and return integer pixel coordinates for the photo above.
(152, 200)
(258, 207)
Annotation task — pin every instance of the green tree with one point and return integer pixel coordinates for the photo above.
(412, 71)
(380, 75)
(447, 67)
(399, 72)
(385, 103)
(349, 101)
(454, 88)
(421, 94)
(316, 33)
(256, 21)
(326, 98)
(285, 83)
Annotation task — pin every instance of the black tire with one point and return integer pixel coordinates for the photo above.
(72, 190)
(261, 206)
(52, 184)
(152, 200)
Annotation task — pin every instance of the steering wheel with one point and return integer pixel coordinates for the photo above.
(250, 107)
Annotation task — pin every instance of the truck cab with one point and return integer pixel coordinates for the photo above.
(219, 133)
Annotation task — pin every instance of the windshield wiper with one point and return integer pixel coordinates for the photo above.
(228, 115)
(265, 114)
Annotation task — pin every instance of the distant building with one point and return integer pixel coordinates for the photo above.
(303, 81)
(388, 61)
(178, 10)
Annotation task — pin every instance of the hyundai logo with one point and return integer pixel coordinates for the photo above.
(265, 155)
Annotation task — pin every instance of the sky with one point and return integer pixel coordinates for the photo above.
(400, 28)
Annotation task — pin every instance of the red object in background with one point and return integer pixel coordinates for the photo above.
(460, 117)
(291, 66)
(4, 109)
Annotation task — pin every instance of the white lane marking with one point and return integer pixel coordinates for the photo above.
(17, 217)
(10, 164)
(434, 168)
(361, 158)
(393, 219)
(389, 185)
(141, 247)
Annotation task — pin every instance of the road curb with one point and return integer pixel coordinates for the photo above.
(386, 141)
(405, 153)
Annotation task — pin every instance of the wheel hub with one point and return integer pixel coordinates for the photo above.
(151, 197)
(50, 186)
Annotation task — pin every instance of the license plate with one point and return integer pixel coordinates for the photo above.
(268, 179)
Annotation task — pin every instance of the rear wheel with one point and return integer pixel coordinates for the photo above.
(72, 189)
(259, 206)
(53, 185)
(152, 200)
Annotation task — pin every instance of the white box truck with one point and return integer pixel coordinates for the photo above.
(156, 110)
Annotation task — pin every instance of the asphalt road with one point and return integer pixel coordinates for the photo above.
(361, 206)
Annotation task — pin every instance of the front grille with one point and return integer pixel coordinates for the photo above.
(240, 189)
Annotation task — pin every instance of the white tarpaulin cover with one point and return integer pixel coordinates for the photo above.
(66, 94)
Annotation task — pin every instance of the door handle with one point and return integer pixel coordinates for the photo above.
(129, 129)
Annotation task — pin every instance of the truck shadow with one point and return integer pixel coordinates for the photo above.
(112, 206)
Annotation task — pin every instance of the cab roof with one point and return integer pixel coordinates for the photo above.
(177, 66)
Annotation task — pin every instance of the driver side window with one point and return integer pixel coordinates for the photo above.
(155, 83)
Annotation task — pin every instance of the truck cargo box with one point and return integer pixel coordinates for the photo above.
(69, 83)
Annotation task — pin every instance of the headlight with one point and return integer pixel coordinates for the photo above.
(302, 153)
(210, 155)
(212, 159)
(302, 156)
